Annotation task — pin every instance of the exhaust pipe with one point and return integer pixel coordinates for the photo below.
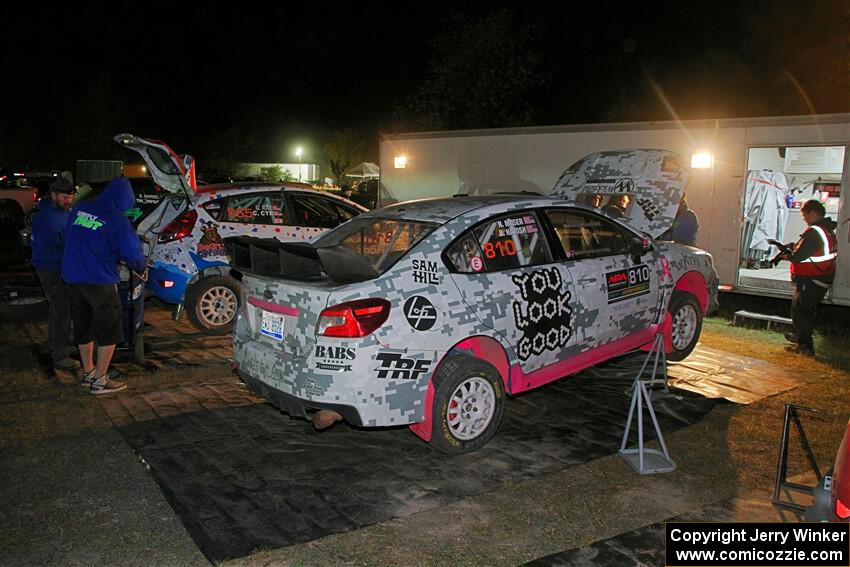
(323, 419)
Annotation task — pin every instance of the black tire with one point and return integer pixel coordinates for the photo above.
(28, 218)
(27, 308)
(687, 324)
(474, 382)
(212, 304)
(11, 217)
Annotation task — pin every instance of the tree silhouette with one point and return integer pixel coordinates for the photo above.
(344, 149)
(483, 75)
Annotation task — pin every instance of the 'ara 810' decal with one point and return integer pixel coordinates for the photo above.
(545, 316)
(627, 283)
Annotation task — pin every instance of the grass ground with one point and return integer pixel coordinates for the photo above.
(826, 387)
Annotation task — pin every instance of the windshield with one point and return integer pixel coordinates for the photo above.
(380, 241)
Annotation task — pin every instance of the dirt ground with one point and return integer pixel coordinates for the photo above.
(75, 494)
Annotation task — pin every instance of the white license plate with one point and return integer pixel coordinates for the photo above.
(272, 325)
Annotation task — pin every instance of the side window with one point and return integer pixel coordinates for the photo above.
(213, 208)
(511, 241)
(317, 212)
(254, 208)
(465, 255)
(345, 213)
(586, 236)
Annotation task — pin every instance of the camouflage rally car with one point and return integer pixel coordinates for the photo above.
(431, 313)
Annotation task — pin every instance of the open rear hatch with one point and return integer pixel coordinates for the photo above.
(654, 180)
(172, 172)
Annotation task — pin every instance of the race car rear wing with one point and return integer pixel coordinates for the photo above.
(299, 261)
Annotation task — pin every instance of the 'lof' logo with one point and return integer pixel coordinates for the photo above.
(420, 313)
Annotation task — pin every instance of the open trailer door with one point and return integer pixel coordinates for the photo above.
(652, 182)
(778, 180)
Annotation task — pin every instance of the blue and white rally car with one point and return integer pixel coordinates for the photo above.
(190, 266)
(432, 313)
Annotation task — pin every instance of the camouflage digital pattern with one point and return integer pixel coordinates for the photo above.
(541, 315)
(654, 179)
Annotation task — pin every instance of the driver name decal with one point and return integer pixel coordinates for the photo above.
(545, 316)
(627, 283)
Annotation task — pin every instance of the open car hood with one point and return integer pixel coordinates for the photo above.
(654, 180)
(172, 172)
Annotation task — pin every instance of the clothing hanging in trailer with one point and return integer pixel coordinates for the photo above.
(765, 211)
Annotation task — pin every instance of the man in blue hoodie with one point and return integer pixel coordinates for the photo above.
(48, 246)
(99, 235)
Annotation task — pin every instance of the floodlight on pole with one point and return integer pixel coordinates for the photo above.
(298, 152)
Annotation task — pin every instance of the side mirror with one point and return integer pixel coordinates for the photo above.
(639, 246)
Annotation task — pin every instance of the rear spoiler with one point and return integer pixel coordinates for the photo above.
(299, 261)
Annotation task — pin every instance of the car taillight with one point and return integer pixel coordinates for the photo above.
(842, 511)
(180, 227)
(35, 196)
(353, 318)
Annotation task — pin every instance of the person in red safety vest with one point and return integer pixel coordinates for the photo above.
(812, 271)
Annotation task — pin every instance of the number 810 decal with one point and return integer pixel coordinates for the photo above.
(501, 248)
(627, 283)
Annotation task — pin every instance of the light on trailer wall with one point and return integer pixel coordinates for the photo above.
(400, 162)
(299, 152)
(701, 160)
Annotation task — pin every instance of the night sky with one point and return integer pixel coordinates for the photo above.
(252, 80)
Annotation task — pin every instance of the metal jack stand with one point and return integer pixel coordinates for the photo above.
(643, 460)
(782, 466)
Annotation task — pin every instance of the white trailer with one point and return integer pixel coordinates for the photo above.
(734, 162)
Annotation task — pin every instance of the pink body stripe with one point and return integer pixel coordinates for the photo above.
(521, 382)
(274, 307)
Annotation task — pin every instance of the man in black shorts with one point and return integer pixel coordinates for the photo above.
(97, 237)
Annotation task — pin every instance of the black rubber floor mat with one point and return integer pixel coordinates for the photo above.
(645, 546)
(248, 477)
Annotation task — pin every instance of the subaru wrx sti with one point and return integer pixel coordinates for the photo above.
(433, 313)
